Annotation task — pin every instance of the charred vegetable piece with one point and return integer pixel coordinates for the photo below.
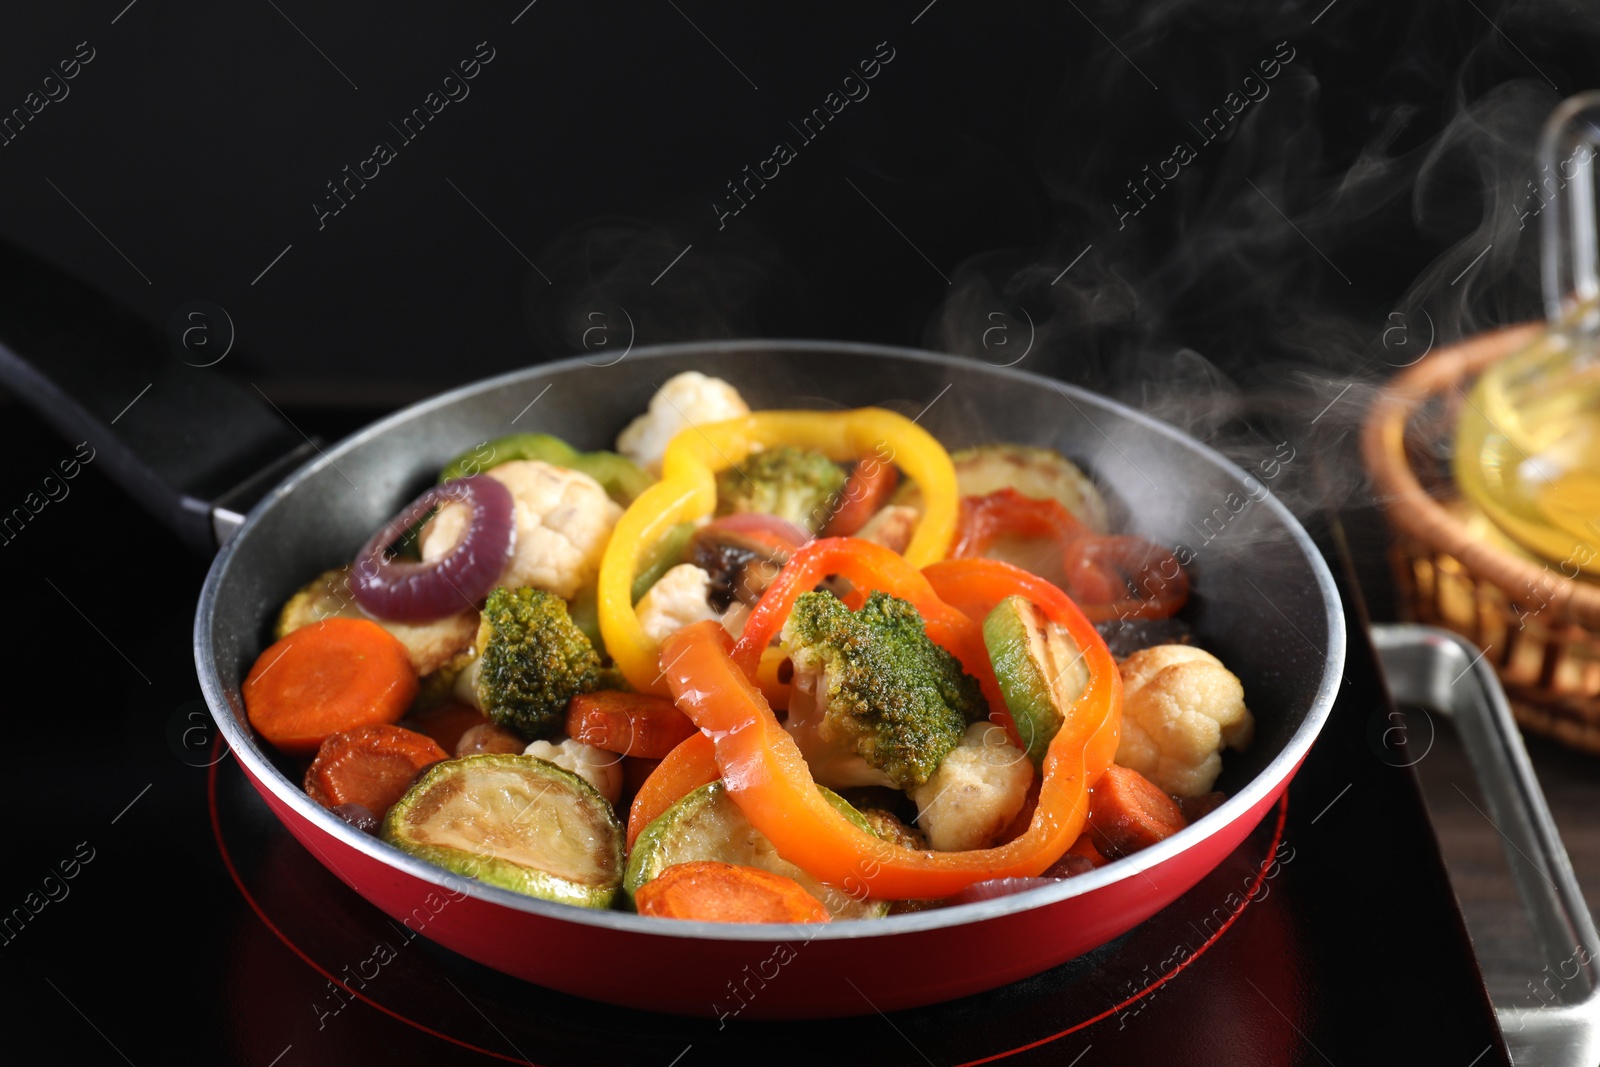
(620, 477)
(739, 573)
(1031, 471)
(371, 766)
(532, 659)
(727, 893)
(516, 822)
(707, 825)
(798, 485)
(743, 554)
(1039, 667)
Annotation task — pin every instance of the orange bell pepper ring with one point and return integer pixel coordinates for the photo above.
(766, 775)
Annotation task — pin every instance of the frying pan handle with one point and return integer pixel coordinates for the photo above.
(1443, 672)
(194, 448)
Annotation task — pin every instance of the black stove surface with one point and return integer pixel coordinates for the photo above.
(154, 911)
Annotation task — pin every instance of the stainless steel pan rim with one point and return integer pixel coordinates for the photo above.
(221, 700)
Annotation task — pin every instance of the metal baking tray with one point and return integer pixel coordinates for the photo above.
(1445, 674)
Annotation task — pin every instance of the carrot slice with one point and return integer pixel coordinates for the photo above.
(686, 768)
(632, 724)
(446, 722)
(1128, 812)
(333, 675)
(868, 488)
(371, 765)
(727, 893)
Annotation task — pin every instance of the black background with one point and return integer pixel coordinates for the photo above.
(989, 154)
(968, 204)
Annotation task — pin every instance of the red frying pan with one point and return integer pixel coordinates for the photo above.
(1262, 600)
(1253, 569)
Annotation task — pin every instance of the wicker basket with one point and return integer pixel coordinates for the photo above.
(1540, 628)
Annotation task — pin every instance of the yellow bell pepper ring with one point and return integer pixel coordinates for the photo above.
(688, 491)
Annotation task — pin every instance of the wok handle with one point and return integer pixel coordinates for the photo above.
(193, 447)
(1444, 673)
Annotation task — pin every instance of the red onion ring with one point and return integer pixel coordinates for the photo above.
(407, 591)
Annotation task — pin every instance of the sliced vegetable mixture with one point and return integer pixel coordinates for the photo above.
(781, 666)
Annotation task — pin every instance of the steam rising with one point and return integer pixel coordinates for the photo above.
(1264, 247)
(1259, 297)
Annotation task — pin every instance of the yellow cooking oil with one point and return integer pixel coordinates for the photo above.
(1528, 448)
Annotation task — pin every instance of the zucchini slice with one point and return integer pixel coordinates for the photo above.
(708, 825)
(513, 821)
(1040, 669)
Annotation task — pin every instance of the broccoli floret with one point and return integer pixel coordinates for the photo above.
(882, 691)
(796, 484)
(532, 659)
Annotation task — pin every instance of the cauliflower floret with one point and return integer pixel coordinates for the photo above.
(563, 520)
(599, 768)
(977, 791)
(1180, 707)
(891, 527)
(687, 399)
(677, 599)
